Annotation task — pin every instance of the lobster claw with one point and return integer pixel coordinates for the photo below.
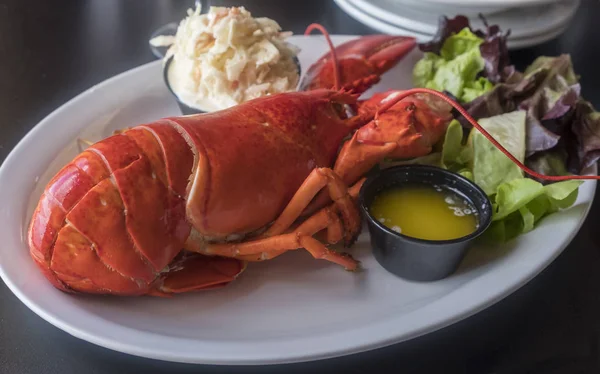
(361, 62)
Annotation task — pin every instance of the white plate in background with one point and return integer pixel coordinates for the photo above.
(490, 3)
(387, 28)
(523, 22)
(467, 10)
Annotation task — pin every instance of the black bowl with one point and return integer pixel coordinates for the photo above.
(186, 109)
(418, 259)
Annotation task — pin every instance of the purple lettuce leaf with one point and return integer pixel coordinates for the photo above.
(556, 118)
(495, 54)
(563, 130)
(551, 162)
(585, 147)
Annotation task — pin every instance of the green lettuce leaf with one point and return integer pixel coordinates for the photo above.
(452, 148)
(563, 194)
(493, 49)
(460, 43)
(467, 174)
(474, 89)
(539, 207)
(520, 204)
(528, 219)
(490, 166)
(455, 69)
(513, 195)
(424, 69)
(504, 230)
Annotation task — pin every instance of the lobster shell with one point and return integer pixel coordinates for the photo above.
(113, 219)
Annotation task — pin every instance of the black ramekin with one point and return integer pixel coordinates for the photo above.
(418, 259)
(186, 109)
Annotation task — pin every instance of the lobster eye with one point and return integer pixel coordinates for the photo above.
(344, 110)
(350, 111)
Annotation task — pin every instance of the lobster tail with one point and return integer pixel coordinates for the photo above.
(65, 190)
(113, 219)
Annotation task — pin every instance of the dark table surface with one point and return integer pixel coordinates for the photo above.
(51, 51)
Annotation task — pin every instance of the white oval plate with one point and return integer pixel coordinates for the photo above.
(382, 26)
(290, 309)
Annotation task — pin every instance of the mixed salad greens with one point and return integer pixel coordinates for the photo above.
(537, 114)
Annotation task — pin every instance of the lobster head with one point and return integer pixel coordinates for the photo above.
(361, 62)
(415, 123)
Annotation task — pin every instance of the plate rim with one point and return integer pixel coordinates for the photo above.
(365, 345)
(382, 26)
(491, 2)
(375, 10)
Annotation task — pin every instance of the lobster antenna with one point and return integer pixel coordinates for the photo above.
(83, 144)
(336, 69)
(472, 121)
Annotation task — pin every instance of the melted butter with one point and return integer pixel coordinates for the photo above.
(425, 212)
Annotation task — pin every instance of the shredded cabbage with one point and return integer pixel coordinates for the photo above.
(225, 57)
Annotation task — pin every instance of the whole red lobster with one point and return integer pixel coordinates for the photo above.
(183, 203)
(227, 186)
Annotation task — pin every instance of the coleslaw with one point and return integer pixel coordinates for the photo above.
(226, 57)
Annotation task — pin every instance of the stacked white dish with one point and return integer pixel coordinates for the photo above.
(530, 22)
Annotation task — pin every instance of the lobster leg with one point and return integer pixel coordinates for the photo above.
(334, 227)
(326, 218)
(301, 237)
(283, 243)
(357, 158)
(315, 182)
(354, 161)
